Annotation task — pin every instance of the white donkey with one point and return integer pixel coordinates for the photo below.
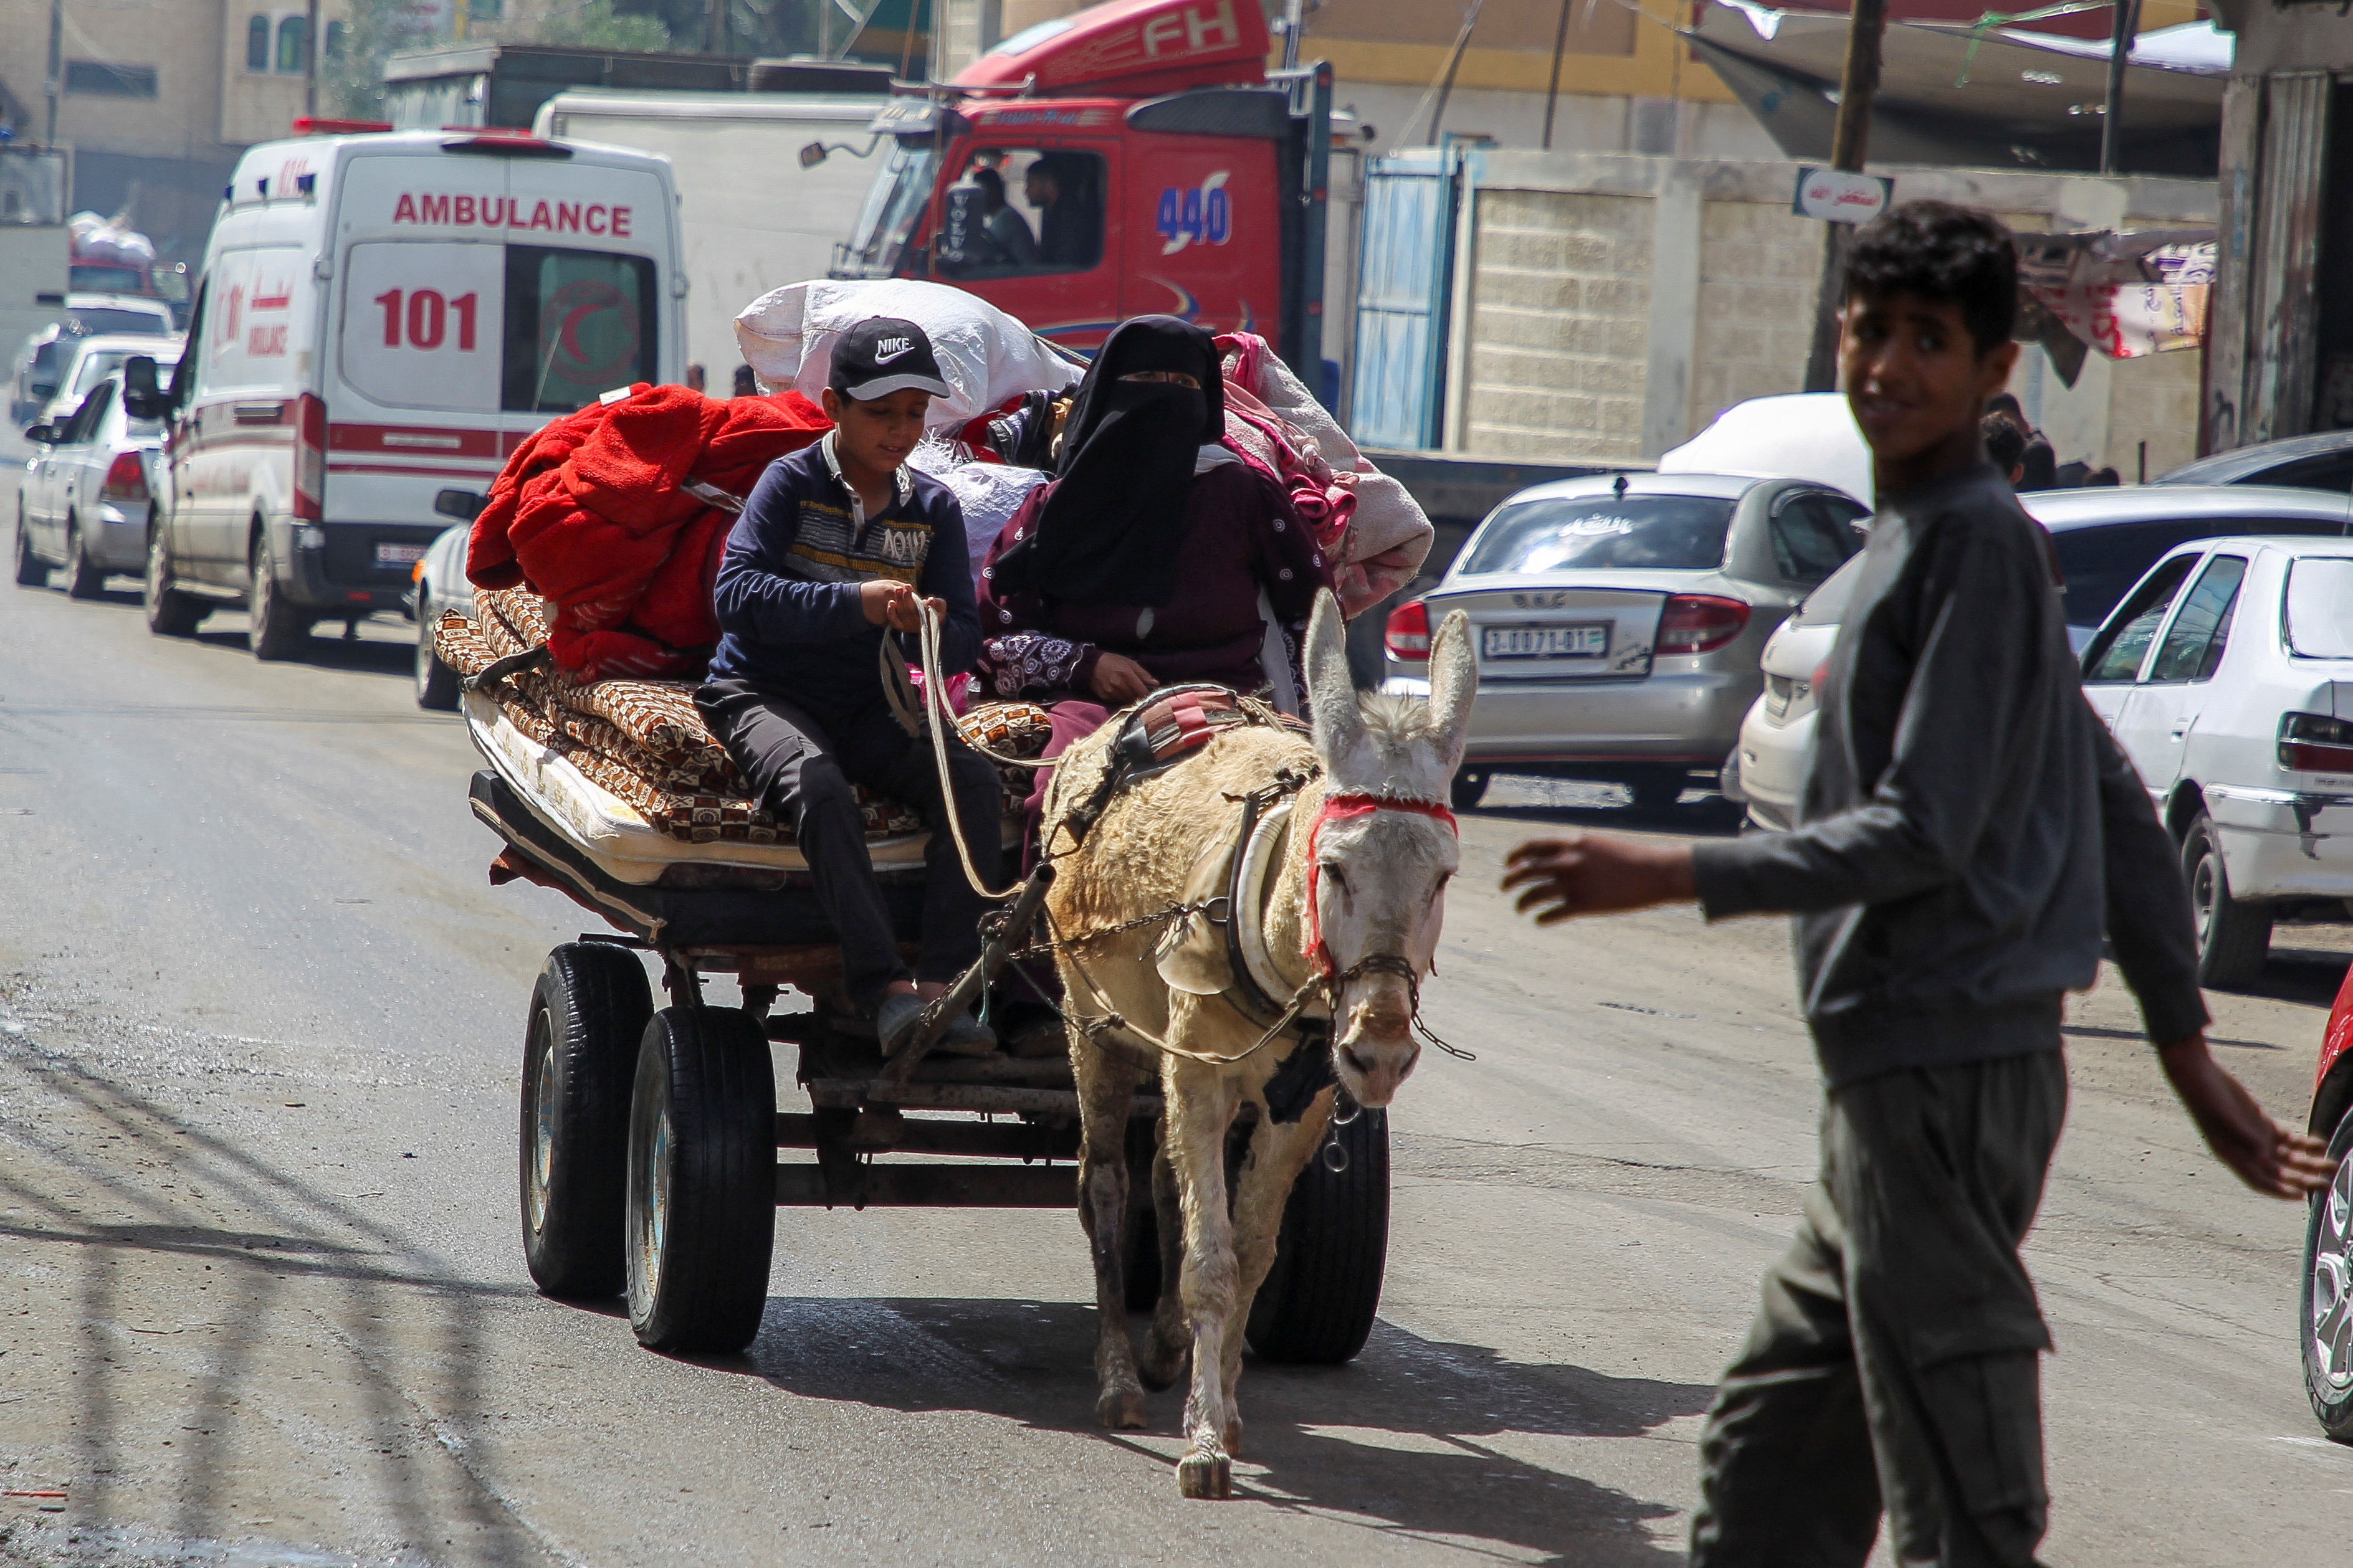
(1356, 893)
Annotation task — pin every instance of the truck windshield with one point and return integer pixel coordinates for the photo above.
(32, 186)
(893, 207)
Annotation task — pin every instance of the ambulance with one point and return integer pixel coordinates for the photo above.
(381, 319)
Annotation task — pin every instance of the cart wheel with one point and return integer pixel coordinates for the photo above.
(1320, 1297)
(703, 1182)
(587, 1013)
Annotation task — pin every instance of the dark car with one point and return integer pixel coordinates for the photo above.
(2322, 462)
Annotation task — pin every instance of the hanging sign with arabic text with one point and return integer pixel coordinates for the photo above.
(1838, 196)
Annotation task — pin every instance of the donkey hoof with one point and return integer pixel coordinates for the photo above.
(1121, 1409)
(1206, 1474)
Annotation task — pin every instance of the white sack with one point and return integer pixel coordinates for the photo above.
(985, 356)
(1799, 435)
(990, 493)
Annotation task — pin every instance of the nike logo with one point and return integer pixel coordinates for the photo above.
(889, 348)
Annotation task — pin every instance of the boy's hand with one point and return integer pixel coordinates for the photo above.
(894, 605)
(2268, 1157)
(1593, 874)
(1119, 681)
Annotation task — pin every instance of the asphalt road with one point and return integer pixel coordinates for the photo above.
(262, 1300)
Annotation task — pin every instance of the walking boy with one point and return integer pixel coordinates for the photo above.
(1967, 823)
(832, 551)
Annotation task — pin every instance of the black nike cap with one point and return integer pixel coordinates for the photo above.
(883, 356)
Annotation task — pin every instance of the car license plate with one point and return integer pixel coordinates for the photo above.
(1586, 640)
(399, 555)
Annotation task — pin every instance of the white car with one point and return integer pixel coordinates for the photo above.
(2226, 675)
(88, 492)
(83, 363)
(35, 372)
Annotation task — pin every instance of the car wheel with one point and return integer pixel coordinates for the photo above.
(2328, 1296)
(2233, 935)
(279, 630)
(85, 578)
(32, 572)
(1469, 788)
(170, 612)
(437, 683)
(1656, 792)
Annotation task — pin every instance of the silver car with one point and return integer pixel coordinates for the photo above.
(1617, 622)
(87, 494)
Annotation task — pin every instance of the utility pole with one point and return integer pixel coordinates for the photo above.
(1552, 86)
(311, 76)
(56, 66)
(1849, 147)
(2128, 24)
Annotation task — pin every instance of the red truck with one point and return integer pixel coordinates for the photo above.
(1136, 157)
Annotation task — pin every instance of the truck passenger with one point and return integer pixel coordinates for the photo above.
(1155, 558)
(1011, 243)
(833, 549)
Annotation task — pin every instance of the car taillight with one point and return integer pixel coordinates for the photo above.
(1700, 623)
(1408, 633)
(310, 459)
(126, 479)
(2315, 743)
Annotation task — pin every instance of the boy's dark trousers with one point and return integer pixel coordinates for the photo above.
(1894, 1361)
(802, 768)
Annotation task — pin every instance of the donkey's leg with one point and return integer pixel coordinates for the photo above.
(1172, 1333)
(1277, 1154)
(1202, 1103)
(1106, 1089)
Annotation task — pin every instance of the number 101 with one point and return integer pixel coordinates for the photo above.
(427, 319)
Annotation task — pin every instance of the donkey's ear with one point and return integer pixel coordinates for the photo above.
(1453, 683)
(1331, 690)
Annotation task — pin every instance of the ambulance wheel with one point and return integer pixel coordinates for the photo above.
(1320, 1298)
(703, 1182)
(279, 629)
(2327, 1317)
(170, 612)
(588, 1014)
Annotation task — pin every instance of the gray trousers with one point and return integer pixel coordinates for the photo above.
(802, 769)
(1894, 1361)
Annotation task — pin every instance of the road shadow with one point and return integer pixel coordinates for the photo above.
(386, 646)
(1417, 1436)
(1699, 815)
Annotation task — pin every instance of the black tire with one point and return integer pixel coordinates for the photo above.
(437, 683)
(2325, 1318)
(32, 572)
(1656, 792)
(85, 578)
(2234, 936)
(1320, 1298)
(170, 612)
(1469, 788)
(281, 630)
(1140, 1231)
(588, 1016)
(703, 1182)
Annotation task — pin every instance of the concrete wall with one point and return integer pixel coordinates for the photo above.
(1613, 304)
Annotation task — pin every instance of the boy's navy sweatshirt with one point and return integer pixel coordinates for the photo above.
(789, 615)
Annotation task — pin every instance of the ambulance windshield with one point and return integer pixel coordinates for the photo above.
(893, 207)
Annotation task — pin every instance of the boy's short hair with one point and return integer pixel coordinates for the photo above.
(2005, 443)
(1940, 251)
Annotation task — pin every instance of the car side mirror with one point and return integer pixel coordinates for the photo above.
(463, 505)
(41, 434)
(141, 397)
(813, 155)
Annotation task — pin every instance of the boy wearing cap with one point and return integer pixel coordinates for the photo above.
(838, 544)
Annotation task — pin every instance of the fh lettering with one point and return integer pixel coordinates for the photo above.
(447, 211)
(1197, 31)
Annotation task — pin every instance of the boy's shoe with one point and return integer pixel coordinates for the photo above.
(895, 1025)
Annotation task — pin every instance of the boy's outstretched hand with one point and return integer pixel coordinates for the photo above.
(2268, 1157)
(1594, 874)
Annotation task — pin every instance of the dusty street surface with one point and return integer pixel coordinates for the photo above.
(262, 1299)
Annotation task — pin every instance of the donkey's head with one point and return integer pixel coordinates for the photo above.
(1381, 873)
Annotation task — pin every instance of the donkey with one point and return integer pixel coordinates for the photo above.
(1383, 848)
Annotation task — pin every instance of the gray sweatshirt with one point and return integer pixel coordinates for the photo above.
(1969, 827)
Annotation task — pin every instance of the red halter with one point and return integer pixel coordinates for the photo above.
(1341, 807)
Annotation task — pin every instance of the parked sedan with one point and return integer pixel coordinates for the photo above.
(2321, 462)
(87, 492)
(2103, 539)
(2222, 675)
(33, 375)
(1616, 622)
(83, 363)
(439, 582)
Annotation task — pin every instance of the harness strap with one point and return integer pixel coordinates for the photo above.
(1341, 808)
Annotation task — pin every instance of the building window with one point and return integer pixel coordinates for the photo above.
(257, 44)
(485, 10)
(335, 40)
(294, 45)
(108, 80)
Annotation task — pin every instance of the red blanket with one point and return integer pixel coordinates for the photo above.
(588, 513)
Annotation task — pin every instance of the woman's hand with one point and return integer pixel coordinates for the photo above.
(1120, 680)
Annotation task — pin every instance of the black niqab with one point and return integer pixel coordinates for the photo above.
(1109, 529)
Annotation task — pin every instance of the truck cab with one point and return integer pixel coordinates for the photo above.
(1136, 157)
